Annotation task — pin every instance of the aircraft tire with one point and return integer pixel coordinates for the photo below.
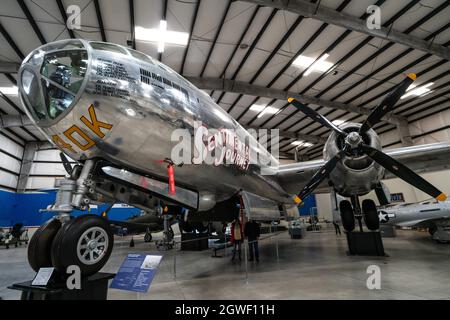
(347, 216)
(148, 237)
(39, 249)
(85, 241)
(185, 226)
(371, 219)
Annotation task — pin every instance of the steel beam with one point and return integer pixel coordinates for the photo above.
(14, 121)
(297, 136)
(9, 67)
(331, 16)
(261, 91)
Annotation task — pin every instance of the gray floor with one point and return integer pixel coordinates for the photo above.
(315, 267)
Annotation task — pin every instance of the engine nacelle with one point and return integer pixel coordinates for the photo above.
(356, 173)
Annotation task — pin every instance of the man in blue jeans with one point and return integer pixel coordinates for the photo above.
(252, 232)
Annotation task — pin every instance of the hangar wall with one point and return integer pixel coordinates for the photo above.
(46, 168)
(11, 154)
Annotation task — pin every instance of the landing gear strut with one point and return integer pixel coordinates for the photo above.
(85, 241)
(167, 243)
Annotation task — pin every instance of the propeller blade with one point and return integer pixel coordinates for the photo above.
(387, 104)
(403, 172)
(314, 115)
(66, 163)
(318, 177)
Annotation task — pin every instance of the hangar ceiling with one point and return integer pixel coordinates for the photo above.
(253, 44)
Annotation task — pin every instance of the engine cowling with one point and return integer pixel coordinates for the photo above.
(356, 173)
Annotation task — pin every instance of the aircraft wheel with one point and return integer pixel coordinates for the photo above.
(39, 249)
(148, 237)
(370, 215)
(185, 226)
(432, 229)
(200, 227)
(86, 241)
(347, 216)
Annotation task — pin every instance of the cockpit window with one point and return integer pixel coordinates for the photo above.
(107, 47)
(66, 68)
(140, 56)
(30, 86)
(57, 100)
(62, 76)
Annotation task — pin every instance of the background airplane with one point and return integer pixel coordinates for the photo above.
(435, 216)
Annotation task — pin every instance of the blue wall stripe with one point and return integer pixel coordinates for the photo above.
(24, 208)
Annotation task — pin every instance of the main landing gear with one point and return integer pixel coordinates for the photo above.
(360, 242)
(63, 241)
(350, 212)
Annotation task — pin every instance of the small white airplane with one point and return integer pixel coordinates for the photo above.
(435, 216)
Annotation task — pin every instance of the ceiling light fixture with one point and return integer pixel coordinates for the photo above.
(162, 36)
(414, 90)
(10, 91)
(339, 122)
(300, 143)
(312, 64)
(257, 107)
(268, 110)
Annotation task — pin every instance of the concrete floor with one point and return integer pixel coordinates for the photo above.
(315, 267)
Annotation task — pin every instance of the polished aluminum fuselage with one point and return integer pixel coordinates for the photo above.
(144, 113)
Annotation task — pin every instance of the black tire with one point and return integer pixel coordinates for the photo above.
(39, 249)
(65, 251)
(432, 229)
(347, 216)
(148, 237)
(200, 227)
(369, 209)
(185, 226)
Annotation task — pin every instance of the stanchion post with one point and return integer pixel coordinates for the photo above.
(175, 262)
(278, 256)
(246, 260)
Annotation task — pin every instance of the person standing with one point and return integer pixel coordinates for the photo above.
(236, 238)
(252, 231)
(337, 228)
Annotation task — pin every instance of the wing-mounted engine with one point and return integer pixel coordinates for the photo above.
(354, 160)
(356, 173)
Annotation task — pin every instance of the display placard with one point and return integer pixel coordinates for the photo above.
(43, 277)
(136, 272)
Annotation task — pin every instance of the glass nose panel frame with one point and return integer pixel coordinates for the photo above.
(51, 81)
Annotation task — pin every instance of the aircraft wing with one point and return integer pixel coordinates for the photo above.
(420, 158)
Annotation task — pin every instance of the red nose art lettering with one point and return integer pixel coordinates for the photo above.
(80, 137)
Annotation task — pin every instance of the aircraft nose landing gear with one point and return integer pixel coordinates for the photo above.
(63, 241)
(85, 241)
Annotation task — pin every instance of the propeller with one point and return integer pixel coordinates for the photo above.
(403, 172)
(353, 141)
(387, 104)
(66, 163)
(319, 176)
(314, 115)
